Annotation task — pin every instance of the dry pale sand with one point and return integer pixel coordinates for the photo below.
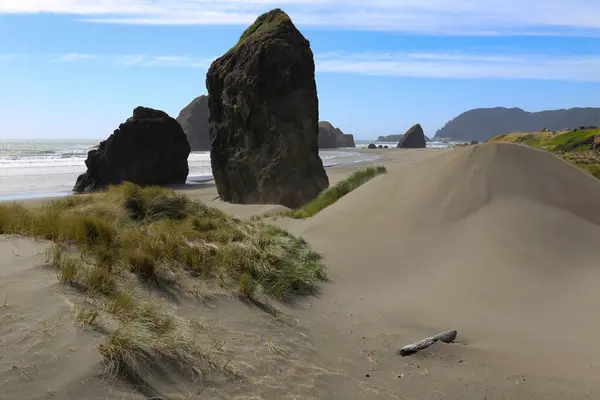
(498, 241)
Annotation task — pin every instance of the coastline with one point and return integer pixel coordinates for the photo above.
(193, 182)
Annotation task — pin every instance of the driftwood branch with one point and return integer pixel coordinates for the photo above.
(446, 337)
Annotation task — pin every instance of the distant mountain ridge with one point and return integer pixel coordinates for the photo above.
(484, 123)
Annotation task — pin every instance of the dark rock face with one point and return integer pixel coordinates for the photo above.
(332, 137)
(263, 117)
(149, 148)
(346, 140)
(327, 136)
(193, 119)
(372, 146)
(414, 138)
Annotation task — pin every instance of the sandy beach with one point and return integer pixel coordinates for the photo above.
(497, 241)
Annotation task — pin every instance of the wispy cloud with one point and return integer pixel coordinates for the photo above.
(131, 60)
(438, 17)
(464, 66)
(453, 65)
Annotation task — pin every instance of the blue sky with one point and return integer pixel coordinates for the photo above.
(77, 68)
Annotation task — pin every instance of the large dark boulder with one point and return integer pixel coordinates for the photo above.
(193, 119)
(263, 117)
(149, 148)
(414, 138)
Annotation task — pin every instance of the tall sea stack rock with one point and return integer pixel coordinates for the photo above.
(263, 117)
(414, 138)
(149, 148)
(193, 119)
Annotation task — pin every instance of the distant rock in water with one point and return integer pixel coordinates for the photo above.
(390, 138)
(149, 148)
(372, 146)
(483, 123)
(395, 138)
(331, 137)
(414, 138)
(193, 119)
(263, 118)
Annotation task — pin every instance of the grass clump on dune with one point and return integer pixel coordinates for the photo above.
(574, 146)
(336, 192)
(149, 236)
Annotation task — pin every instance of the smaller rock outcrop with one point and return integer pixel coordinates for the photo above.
(372, 146)
(332, 137)
(414, 138)
(149, 148)
(193, 119)
(327, 136)
(345, 140)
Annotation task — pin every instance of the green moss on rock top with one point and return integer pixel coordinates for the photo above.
(266, 22)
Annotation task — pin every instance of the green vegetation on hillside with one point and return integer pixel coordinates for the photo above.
(574, 146)
(111, 245)
(336, 192)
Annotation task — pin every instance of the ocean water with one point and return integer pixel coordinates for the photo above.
(32, 168)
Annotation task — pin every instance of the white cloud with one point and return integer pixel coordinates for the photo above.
(130, 60)
(439, 17)
(416, 65)
(464, 66)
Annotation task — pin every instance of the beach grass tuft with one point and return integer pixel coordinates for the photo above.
(336, 192)
(106, 241)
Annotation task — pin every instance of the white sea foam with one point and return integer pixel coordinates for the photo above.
(28, 167)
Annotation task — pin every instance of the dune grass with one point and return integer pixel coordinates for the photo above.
(574, 146)
(336, 192)
(109, 244)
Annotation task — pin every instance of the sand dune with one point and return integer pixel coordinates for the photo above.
(498, 241)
